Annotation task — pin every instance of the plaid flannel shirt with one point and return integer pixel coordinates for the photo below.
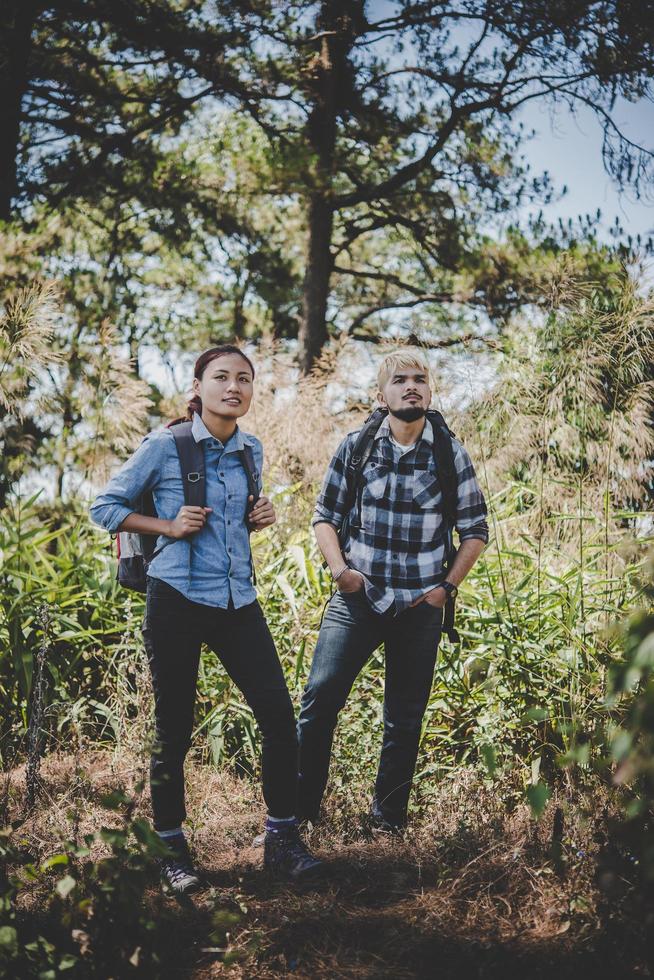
(396, 536)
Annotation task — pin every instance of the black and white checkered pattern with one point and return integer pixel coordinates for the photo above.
(396, 536)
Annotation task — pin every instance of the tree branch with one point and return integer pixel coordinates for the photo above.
(442, 297)
(381, 276)
(412, 340)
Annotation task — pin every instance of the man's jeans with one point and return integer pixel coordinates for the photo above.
(174, 630)
(350, 632)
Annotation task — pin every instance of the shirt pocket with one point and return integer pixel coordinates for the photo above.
(376, 483)
(373, 491)
(426, 491)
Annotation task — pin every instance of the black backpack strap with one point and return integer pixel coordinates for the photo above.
(247, 460)
(146, 507)
(191, 461)
(358, 458)
(449, 484)
(246, 457)
(445, 466)
(448, 621)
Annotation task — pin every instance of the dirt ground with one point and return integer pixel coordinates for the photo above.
(475, 888)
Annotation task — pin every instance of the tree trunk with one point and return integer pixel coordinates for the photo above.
(326, 72)
(313, 327)
(135, 352)
(16, 25)
(238, 316)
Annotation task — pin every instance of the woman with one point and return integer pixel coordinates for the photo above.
(199, 589)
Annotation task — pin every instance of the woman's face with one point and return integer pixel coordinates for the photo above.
(225, 386)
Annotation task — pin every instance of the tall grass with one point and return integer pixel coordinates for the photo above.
(561, 444)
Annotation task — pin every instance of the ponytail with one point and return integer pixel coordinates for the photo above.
(194, 405)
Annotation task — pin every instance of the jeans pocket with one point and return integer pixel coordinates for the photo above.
(163, 602)
(360, 593)
(433, 615)
(158, 589)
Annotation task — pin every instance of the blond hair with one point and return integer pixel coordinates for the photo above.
(400, 359)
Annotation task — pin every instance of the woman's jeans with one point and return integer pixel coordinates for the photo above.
(174, 630)
(350, 632)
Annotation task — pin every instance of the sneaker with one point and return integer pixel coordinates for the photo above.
(285, 855)
(177, 872)
(379, 824)
(260, 839)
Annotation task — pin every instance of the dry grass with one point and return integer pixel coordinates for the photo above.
(474, 889)
(302, 420)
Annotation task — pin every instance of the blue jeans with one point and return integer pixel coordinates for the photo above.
(350, 632)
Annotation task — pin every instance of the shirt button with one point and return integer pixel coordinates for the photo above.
(222, 474)
(229, 522)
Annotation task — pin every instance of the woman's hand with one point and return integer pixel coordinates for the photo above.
(350, 581)
(262, 514)
(188, 521)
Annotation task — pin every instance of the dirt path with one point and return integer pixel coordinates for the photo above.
(471, 891)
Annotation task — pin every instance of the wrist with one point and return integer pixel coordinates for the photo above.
(340, 571)
(450, 589)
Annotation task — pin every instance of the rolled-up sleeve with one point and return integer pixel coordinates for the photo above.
(137, 475)
(471, 511)
(332, 500)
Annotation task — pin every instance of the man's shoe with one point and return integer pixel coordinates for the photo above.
(303, 824)
(286, 856)
(177, 872)
(379, 824)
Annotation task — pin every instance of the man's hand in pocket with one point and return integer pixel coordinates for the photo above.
(350, 581)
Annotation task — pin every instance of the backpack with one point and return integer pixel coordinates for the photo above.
(136, 551)
(447, 476)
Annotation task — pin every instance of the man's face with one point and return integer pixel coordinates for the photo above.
(406, 394)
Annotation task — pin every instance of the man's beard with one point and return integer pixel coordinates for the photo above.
(410, 414)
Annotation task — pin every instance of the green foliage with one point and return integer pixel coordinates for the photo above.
(541, 696)
(58, 563)
(631, 687)
(95, 922)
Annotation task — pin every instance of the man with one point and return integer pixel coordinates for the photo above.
(387, 551)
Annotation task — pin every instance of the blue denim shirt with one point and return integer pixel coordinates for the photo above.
(213, 565)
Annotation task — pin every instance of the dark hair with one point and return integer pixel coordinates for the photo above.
(195, 404)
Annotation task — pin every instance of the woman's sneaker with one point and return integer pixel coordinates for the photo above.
(286, 856)
(177, 872)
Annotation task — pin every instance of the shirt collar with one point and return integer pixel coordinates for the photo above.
(200, 432)
(427, 434)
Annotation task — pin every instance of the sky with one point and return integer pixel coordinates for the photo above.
(569, 146)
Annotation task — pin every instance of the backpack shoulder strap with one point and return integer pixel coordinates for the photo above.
(363, 444)
(445, 466)
(358, 458)
(247, 459)
(191, 461)
(449, 483)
